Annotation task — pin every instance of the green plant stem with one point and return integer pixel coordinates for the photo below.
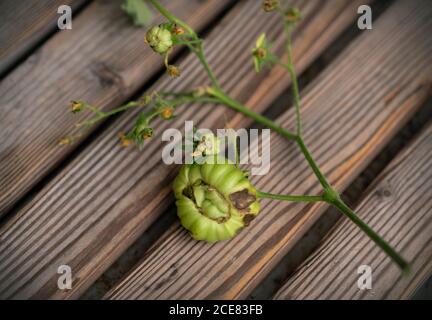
(295, 198)
(201, 56)
(188, 42)
(296, 101)
(315, 168)
(93, 109)
(102, 114)
(338, 203)
(296, 92)
(234, 104)
(178, 100)
(330, 194)
(171, 17)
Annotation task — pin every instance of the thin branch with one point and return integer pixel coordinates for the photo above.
(294, 198)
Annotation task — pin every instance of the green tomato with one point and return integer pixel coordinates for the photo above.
(159, 39)
(214, 201)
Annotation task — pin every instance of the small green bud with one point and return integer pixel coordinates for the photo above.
(159, 39)
(293, 15)
(146, 100)
(141, 131)
(147, 133)
(260, 52)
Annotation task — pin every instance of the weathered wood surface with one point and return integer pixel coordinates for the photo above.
(103, 60)
(108, 196)
(24, 23)
(350, 113)
(399, 206)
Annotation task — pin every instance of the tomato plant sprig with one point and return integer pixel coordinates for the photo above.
(196, 194)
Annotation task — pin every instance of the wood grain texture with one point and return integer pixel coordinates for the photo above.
(108, 196)
(350, 112)
(24, 24)
(102, 60)
(398, 205)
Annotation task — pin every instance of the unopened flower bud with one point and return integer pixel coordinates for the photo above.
(147, 133)
(167, 113)
(64, 141)
(173, 71)
(76, 106)
(261, 52)
(293, 15)
(145, 100)
(270, 5)
(159, 39)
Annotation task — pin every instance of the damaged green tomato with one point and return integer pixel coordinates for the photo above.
(214, 201)
(159, 38)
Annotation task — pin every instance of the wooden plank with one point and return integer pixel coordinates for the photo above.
(398, 205)
(350, 112)
(103, 59)
(24, 24)
(107, 196)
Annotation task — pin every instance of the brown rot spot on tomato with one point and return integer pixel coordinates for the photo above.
(241, 200)
(247, 219)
